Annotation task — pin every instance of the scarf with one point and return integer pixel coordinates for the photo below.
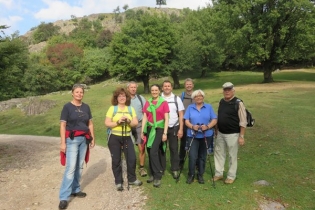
(152, 109)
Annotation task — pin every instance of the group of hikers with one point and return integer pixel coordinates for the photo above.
(186, 124)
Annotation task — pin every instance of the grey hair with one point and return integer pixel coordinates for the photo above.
(188, 80)
(131, 82)
(197, 92)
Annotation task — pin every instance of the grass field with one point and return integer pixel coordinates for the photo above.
(278, 149)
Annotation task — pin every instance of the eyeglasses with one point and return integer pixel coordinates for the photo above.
(121, 96)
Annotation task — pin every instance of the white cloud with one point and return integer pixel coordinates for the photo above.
(58, 10)
(12, 22)
(7, 3)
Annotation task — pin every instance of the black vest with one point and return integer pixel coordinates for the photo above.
(228, 120)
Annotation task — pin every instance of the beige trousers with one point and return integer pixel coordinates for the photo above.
(226, 143)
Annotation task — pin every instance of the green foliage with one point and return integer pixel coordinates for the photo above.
(13, 63)
(44, 31)
(142, 48)
(95, 64)
(160, 2)
(104, 38)
(66, 58)
(268, 32)
(84, 35)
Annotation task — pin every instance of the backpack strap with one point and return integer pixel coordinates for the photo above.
(130, 111)
(115, 110)
(138, 96)
(182, 96)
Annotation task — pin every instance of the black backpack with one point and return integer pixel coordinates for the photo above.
(250, 119)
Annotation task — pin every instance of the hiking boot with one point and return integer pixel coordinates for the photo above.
(79, 194)
(200, 179)
(137, 183)
(157, 183)
(190, 179)
(217, 178)
(119, 187)
(142, 172)
(63, 204)
(150, 180)
(175, 174)
(229, 181)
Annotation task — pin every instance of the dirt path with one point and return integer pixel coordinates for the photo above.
(30, 177)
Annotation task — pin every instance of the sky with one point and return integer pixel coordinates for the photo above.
(22, 15)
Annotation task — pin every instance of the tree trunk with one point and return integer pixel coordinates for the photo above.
(203, 73)
(268, 77)
(145, 80)
(175, 79)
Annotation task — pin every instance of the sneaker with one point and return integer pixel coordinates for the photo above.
(79, 194)
(142, 172)
(200, 179)
(175, 174)
(190, 179)
(119, 187)
(137, 183)
(63, 204)
(157, 183)
(217, 178)
(229, 181)
(150, 180)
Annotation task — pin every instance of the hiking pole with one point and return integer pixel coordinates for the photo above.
(126, 148)
(213, 183)
(187, 152)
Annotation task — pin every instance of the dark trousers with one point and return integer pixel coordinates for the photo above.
(198, 154)
(115, 145)
(172, 140)
(182, 151)
(154, 154)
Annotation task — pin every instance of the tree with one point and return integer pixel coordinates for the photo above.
(13, 63)
(160, 2)
(44, 31)
(266, 32)
(142, 49)
(66, 58)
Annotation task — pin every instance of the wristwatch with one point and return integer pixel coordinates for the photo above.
(242, 136)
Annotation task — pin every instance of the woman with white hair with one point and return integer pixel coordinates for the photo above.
(200, 120)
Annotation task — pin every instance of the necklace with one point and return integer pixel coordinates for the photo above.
(78, 107)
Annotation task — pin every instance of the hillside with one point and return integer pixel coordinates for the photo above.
(107, 21)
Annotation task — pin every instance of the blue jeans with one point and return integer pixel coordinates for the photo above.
(198, 154)
(75, 155)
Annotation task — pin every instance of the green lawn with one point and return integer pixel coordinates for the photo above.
(279, 148)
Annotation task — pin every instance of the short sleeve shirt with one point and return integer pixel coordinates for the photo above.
(125, 112)
(76, 117)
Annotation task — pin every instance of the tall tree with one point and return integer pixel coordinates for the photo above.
(160, 2)
(13, 63)
(265, 31)
(142, 48)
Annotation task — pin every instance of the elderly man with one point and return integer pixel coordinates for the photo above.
(230, 132)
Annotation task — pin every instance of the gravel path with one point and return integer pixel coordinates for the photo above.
(31, 173)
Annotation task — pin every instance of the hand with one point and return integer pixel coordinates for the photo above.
(180, 133)
(63, 147)
(204, 127)
(142, 136)
(195, 127)
(241, 141)
(92, 143)
(164, 137)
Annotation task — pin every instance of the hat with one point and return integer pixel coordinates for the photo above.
(227, 85)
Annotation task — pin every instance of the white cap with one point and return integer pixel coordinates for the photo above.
(227, 85)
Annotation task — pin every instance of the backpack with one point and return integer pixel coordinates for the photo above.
(175, 102)
(182, 97)
(249, 117)
(114, 113)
